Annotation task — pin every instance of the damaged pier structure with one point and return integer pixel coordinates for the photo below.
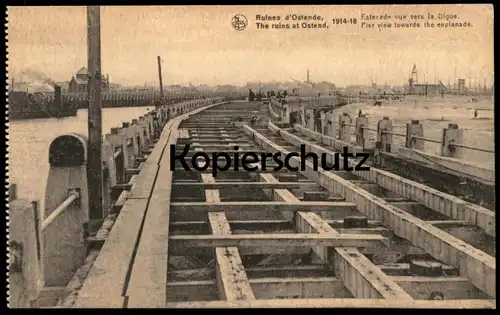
(177, 238)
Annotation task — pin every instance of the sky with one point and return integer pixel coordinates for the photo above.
(198, 45)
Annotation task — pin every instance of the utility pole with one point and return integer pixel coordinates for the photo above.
(160, 78)
(94, 163)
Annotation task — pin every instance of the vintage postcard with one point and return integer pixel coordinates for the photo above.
(251, 156)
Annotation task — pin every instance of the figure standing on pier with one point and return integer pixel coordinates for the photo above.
(360, 113)
(317, 120)
(286, 115)
(475, 114)
(293, 118)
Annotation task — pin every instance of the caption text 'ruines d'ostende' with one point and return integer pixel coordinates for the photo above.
(201, 161)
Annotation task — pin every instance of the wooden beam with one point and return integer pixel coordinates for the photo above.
(350, 264)
(217, 153)
(214, 140)
(339, 303)
(146, 286)
(183, 243)
(434, 199)
(118, 265)
(291, 271)
(278, 225)
(240, 171)
(448, 223)
(418, 288)
(246, 185)
(237, 206)
(232, 281)
(272, 226)
(360, 275)
(110, 279)
(284, 271)
(288, 250)
(473, 263)
(225, 147)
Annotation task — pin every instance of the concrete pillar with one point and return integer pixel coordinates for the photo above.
(328, 124)
(152, 125)
(24, 251)
(140, 130)
(323, 124)
(144, 128)
(452, 135)
(332, 125)
(129, 149)
(383, 139)
(345, 129)
(414, 128)
(134, 136)
(148, 126)
(63, 247)
(116, 140)
(109, 179)
(361, 133)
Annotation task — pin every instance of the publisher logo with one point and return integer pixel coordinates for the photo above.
(239, 22)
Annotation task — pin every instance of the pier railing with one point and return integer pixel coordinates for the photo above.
(110, 99)
(311, 101)
(362, 136)
(72, 198)
(45, 252)
(146, 95)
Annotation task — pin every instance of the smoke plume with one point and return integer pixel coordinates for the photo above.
(36, 80)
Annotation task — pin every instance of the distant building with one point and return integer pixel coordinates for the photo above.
(79, 82)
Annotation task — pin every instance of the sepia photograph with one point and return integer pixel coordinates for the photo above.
(251, 156)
